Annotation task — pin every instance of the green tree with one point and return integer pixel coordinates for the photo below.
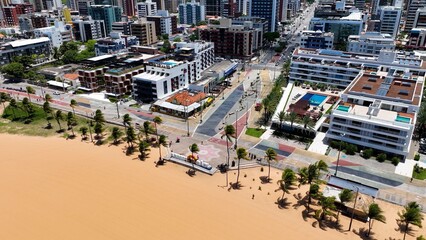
(193, 37)
(144, 150)
(311, 174)
(71, 122)
(4, 98)
(166, 46)
(116, 134)
(83, 131)
(162, 141)
(25, 60)
(48, 110)
(70, 56)
(292, 117)
(47, 97)
(327, 207)
(90, 45)
(30, 91)
(127, 120)
(193, 148)
(411, 214)
(14, 69)
(228, 133)
(147, 129)
(281, 117)
(345, 196)
(13, 105)
(130, 136)
(241, 154)
(307, 122)
(59, 117)
(56, 54)
(270, 155)
(178, 39)
(157, 121)
(374, 213)
(287, 180)
(99, 117)
(98, 129)
(73, 104)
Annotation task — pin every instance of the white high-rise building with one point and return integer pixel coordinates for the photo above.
(370, 42)
(390, 18)
(147, 8)
(58, 34)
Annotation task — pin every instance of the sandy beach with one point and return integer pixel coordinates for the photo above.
(54, 188)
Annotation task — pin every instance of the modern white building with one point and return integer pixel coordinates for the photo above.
(147, 8)
(390, 18)
(339, 69)
(191, 12)
(370, 42)
(116, 43)
(316, 39)
(379, 110)
(40, 46)
(165, 77)
(341, 27)
(88, 29)
(58, 34)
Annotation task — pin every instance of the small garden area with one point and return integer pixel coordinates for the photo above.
(419, 172)
(255, 132)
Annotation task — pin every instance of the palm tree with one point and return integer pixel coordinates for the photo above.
(47, 97)
(130, 136)
(307, 121)
(162, 141)
(271, 155)
(99, 117)
(287, 180)
(116, 134)
(73, 104)
(30, 90)
(311, 174)
(83, 131)
(411, 214)
(327, 205)
(374, 213)
(98, 129)
(127, 120)
(143, 149)
(59, 117)
(281, 117)
(157, 121)
(13, 105)
(344, 196)
(292, 117)
(26, 106)
(47, 110)
(228, 133)
(147, 129)
(3, 98)
(193, 148)
(241, 154)
(71, 122)
(56, 53)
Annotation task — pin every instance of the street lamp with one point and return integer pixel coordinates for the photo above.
(353, 209)
(90, 129)
(186, 114)
(338, 156)
(116, 102)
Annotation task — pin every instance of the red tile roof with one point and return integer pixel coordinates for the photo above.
(186, 98)
(71, 76)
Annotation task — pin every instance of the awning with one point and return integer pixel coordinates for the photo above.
(58, 84)
(352, 185)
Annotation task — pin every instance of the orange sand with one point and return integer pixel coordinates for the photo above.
(58, 189)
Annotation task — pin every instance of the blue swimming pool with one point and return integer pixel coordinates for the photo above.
(403, 119)
(169, 63)
(314, 99)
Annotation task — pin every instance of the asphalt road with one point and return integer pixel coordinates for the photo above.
(208, 127)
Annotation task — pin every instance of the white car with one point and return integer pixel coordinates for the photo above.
(56, 93)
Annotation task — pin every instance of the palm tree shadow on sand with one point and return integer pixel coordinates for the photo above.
(235, 186)
(264, 179)
(283, 203)
(190, 172)
(362, 233)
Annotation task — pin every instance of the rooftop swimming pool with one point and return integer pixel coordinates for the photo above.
(168, 63)
(343, 108)
(314, 99)
(403, 119)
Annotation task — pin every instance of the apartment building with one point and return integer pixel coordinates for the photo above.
(40, 46)
(88, 29)
(116, 43)
(147, 8)
(199, 55)
(316, 40)
(123, 27)
(371, 43)
(417, 39)
(233, 40)
(390, 18)
(412, 7)
(10, 16)
(268, 9)
(92, 71)
(420, 19)
(58, 34)
(379, 110)
(339, 69)
(108, 13)
(191, 13)
(164, 22)
(144, 31)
